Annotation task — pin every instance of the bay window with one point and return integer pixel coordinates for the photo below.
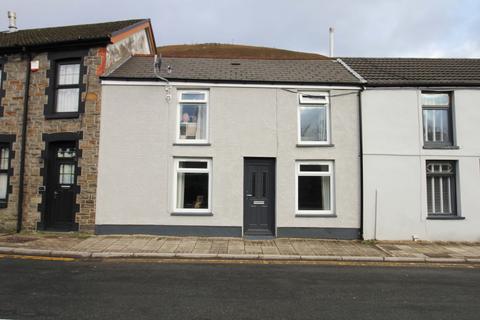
(192, 185)
(192, 117)
(314, 187)
(313, 118)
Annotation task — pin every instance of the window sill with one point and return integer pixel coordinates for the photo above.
(445, 217)
(315, 215)
(441, 147)
(315, 145)
(66, 115)
(191, 144)
(192, 214)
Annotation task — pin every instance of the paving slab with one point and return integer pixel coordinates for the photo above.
(238, 248)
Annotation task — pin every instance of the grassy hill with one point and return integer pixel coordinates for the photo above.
(233, 51)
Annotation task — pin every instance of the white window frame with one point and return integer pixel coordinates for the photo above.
(177, 123)
(177, 169)
(305, 100)
(452, 194)
(330, 174)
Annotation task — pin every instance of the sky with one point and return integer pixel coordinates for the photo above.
(375, 28)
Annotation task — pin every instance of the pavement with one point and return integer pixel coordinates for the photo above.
(135, 289)
(75, 245)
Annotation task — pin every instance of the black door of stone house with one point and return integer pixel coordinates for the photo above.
(61, 186)
(259, 196)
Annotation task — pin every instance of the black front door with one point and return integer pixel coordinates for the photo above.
(259, 203)
(61, 186)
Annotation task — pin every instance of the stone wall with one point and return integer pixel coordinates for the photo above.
(10, 123)
(88, 124)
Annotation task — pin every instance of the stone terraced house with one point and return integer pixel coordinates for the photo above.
(50, 107)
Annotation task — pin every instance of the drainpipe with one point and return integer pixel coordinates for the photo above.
(26, 97)
(361, 157)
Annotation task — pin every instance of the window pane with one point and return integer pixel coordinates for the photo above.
(66, 153)
(67, 100)
(436, 125)
(313, 99)
(67, 174)
(314, 167)
(193, 96)
(313, 123)
(4, 154)
(441, 187)
(435, 99)
(192, 190)
(313, 193)
(3, 186)
(193, 121)
(193, 164)
(68, 74)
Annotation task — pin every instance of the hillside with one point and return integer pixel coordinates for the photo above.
(234, 51)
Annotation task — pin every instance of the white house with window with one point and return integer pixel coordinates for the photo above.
(421, 150)
(230, 148)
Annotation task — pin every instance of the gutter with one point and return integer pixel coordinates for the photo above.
(26, 97)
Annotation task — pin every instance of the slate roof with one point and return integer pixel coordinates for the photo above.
(237, 70)
(56, 36)
(417, 71)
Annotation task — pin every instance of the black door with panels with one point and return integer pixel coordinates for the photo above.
(259, 196)
(61, 186)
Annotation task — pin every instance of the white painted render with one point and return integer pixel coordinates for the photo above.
(395, 200)
(137, 152)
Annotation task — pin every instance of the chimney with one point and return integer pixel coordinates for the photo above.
(331, 30)
(12, 21)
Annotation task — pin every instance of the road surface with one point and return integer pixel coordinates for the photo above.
(155, 290)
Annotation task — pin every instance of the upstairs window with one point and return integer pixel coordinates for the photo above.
(437, 119)
(67, 87)
(441, 188)
(192, 118)
(313, 118)
(4, 172)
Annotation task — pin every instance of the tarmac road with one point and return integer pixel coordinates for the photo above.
(156, 290)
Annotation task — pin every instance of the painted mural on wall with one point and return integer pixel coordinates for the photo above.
(137, 43)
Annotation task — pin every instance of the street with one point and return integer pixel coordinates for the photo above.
(157, 290)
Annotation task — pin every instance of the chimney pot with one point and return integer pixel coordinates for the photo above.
(12, 21)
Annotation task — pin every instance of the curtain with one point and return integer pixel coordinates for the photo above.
(202, 122)
(181, 190)
(3, 185)
(326, 193)
(322, 124)
(67, 100)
